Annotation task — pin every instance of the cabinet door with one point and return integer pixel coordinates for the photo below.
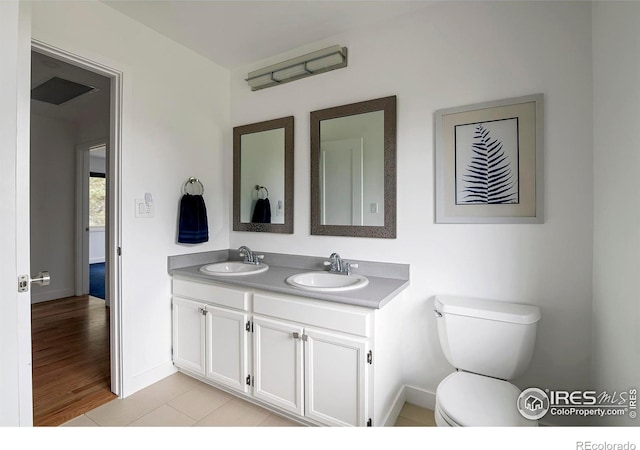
(336, 378)
(188, 335)
(278, 363)
(226, 347)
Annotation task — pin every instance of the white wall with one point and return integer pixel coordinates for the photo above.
(175, 125)
(452, 54)
(97, 242)
(97, 163)
(616, 311)
(53, 203)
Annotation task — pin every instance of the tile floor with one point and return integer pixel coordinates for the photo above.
(182, 401)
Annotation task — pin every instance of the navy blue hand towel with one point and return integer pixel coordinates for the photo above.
(262, 211)
(193, 227)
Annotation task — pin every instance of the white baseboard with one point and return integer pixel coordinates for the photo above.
(393, 414)
(46, 295)
(417, 396)
(420, 397)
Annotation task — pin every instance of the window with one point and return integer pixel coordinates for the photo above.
(97, 199)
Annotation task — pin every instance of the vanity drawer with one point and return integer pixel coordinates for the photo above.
(333, 316)
(210, 293)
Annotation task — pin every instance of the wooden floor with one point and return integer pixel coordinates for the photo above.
(71, 365)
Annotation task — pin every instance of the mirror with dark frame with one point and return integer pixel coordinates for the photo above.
(353, 169)
(263, 176)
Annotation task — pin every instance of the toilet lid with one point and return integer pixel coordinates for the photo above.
(475, 400)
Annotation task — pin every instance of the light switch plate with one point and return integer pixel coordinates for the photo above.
(142, 211)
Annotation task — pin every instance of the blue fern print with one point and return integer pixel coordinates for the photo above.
(488, 179)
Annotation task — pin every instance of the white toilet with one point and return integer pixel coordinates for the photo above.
(489, 343)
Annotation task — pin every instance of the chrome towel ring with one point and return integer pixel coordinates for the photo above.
(190, 182)
(260, 190)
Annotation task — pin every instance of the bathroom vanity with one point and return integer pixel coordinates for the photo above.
(319, 357)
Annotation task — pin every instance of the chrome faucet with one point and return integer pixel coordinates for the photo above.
(338, 265)
(249, 256)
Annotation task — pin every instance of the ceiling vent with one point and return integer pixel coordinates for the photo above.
(58, 90)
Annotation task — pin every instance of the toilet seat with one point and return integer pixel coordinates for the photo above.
(466, 399)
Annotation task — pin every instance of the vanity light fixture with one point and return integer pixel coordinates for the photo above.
(334, 57)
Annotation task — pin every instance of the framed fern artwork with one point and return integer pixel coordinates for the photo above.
(489, 162)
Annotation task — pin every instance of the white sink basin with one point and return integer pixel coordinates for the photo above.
(233, 268)
(327, 282)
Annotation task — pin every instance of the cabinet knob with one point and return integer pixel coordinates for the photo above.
(304, 337)
(296, 335)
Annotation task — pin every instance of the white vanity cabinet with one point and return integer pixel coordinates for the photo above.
(209, 332)
(312, 358)
(278, 364)
(188, 335)
(307, 358)
(336, 378)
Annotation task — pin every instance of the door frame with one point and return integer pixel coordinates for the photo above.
(114, 190)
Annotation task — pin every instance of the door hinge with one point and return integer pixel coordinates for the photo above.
(369, 422)
(370, 357)
(249, 380)
(119, 251)
(249, 326)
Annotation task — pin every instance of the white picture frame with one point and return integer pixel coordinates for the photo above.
(489, 162)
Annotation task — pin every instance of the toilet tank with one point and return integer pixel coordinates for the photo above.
(487, 337)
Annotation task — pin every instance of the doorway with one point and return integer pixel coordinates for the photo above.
(92, 226)
(97, 221)
(341, 182)
(73, 101)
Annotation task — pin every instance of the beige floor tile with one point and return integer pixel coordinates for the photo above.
(80, 421)
(235, 413)
(418, 414)
(201, 401)
(168, 388)
(430, 420)
(165, 416)
(404, 422)
(121, 412)
(275, 420)
(180, 400)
